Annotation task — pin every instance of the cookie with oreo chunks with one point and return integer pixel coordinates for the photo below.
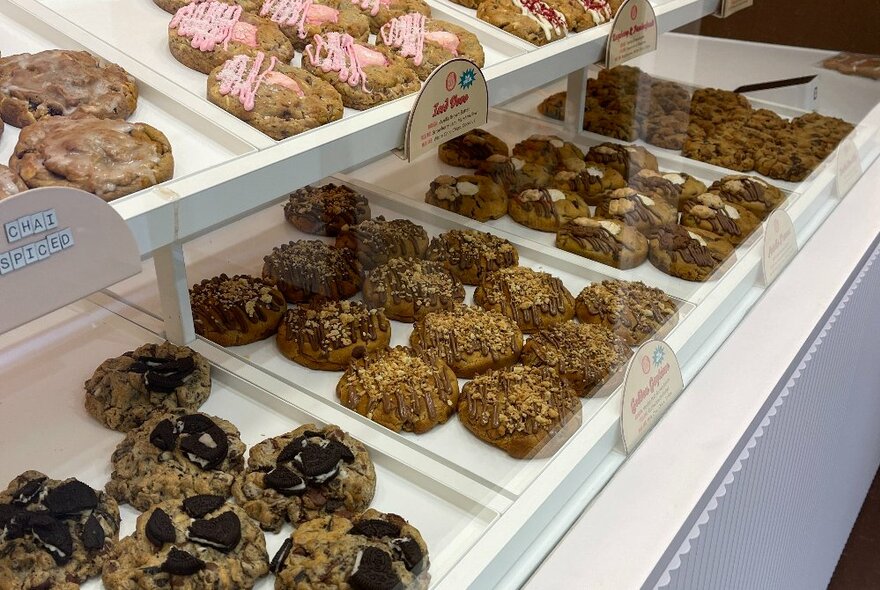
(176, 455)
(54, 533)
(374, 551)
(303, 474)
(124, 391)
(198, 542)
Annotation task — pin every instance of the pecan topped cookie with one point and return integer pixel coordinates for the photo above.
(236, 310)
(376, 241)
(688, 253)
(636, 209)
(470, 255)
(609, 241)
(310, 270)
(468, 150)
(408, 288)
(712, 213)
(632, 310)
(532, 299)
(750, 192)
(325, 210)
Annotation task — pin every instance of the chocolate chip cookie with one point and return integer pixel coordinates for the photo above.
(546, 209)
(381, 11)
(237, 310)
(310, 270)
(477, 197)
(750, 192)
(408, 288)
(427, 43)
(325, 210)
(532, 299)
(470, 255)
(688, 253)
(609, 241)
(532, 20)
(468, 150)
(300, 21)
(304, 474)
(376, 241)
(636, 209)
(632, 310)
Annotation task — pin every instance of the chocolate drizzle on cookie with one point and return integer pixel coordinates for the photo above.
(593, 236)
(222, 303)
(326, 209)
(525, 295)
(422, 283)
(334, 325)
(308, 270)
(472, 252)
(653, 183)
(678, 242)
(631, 309)
(198, 437)
(464, 331)
(375, 241)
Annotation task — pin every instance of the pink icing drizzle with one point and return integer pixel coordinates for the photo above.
(207, 24)
(343, 55)
(373, 5)
(599, 9)
(445, 39)
(318, 13)
(406, 33)
(279, 79)
(235, 78)
(297, 13)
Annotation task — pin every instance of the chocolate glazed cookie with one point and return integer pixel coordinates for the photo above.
(688, 253)
(376, 241)
(468, 150)
(237, 310)
(310, 270)
(631, 309)
(470, 255)
(532, 299)
(407, 288)
(325, 210)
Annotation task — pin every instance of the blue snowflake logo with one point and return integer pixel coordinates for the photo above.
(658, 356)
(467, 79)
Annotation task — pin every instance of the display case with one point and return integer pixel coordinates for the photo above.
(488, 518)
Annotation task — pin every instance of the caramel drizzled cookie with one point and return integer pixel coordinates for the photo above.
(325, 210)
(626, 159)
(468, 150)
(191, 542)
(304, 474)
(590, 182)
(400, 389)
(688, 253)
(372, 551)
(752, 193)
(470, 340)
(10, 182)
(408, 288)
(585, 355)
(687, 186)
(470, 255)
(632, 310)
(636, 209)
(609, 241)
(477, 197)
(312, 271)
(376, 241)
(427, 43)
(532, 20)
(175, 455)
(236, 310)
(62, 82)
(532, 299)
(528, 412)
(711, 213)
(124, 391)
(514, 174)
(54, 533)
(328, 335)
(549, 151)
(546, 209)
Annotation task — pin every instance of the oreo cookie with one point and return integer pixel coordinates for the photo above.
(296, 445)
(181, 563)
(163, 436)
(375, 529)
(14, 522)
(408, 551)
(222, 532)
(93, 535)
(373, 571)
(70, 498)
(28, 492)
(54, 536)
(160, 528)
(199, 506)
(280, 560)
(193, 423)
(207, 448)
(166, 375)
(284, 481)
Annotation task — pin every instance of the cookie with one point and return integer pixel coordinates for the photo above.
(585, 355)
(301, 20)
(589, 183)
(609, 241)
(534, 21)
(687, 252)
(657, 185)
(237, 310)
(551, 152)
(546, 209)
(750, 192)
(124, 391)
(365, 75)
(205, 35)
(408, 288)
(376, 241)
(173, 6)
(636, 209)
(470, 340)
(687, 186)
(105, 157)
(534, 300)
(428, 43)
(711, 213)
(61, 82)
(581, 15)
(528, 412)
(307, 473)
(279, 100)
(626, 159)
(610, 123)
(372, 551)
(310, 270)
(514, 174)
(477, 197)
(174, 456)
(729, 145)
(470, 255)
(666, 130)
(468, 150)
(631, 309)
(328, 335)
(10, 183)
(400, 389)
(554, 106)
(190, 542)
(54, 533)
(381, 11)
(325, 210)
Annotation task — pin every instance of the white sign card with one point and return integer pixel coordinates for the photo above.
(780, 244)
(59, 245)
(728, 7)
(653, 381)
(453, 101)
(849, 167)
(633, 33)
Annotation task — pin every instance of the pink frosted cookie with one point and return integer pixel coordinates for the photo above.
(382, 11)
(173, 6)
(203, 35)
(365, 75)
(427, 43)
(278, 99)
(301, 20)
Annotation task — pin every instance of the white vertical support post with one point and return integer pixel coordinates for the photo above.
(576, 97)
(174, 294)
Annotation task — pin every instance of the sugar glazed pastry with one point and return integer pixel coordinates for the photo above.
(534, 300)
(237, 310)
(174, 456)
(381, 11)
(546, 209)
(631, 309)
(609, 241)
(711, 213)
(427, 43)
(470, 340)
(688, 253)
(376, 241)
(124, 391)
(365, 75)
(325, 210)
(59, 82)
(470, 255)
(54, 533)
(528, 412)
(532, 20)
(204, 35)
(105, 157)
(477, 197)
(304, 474)
(326, 336)
(310, 270)
(278, 99)
(636, 209)
(408, 288)
(372, 551)
(400, 389)
(10, 183)
(199, 541)
(750, 192)
(301, 20)
(468, 150)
